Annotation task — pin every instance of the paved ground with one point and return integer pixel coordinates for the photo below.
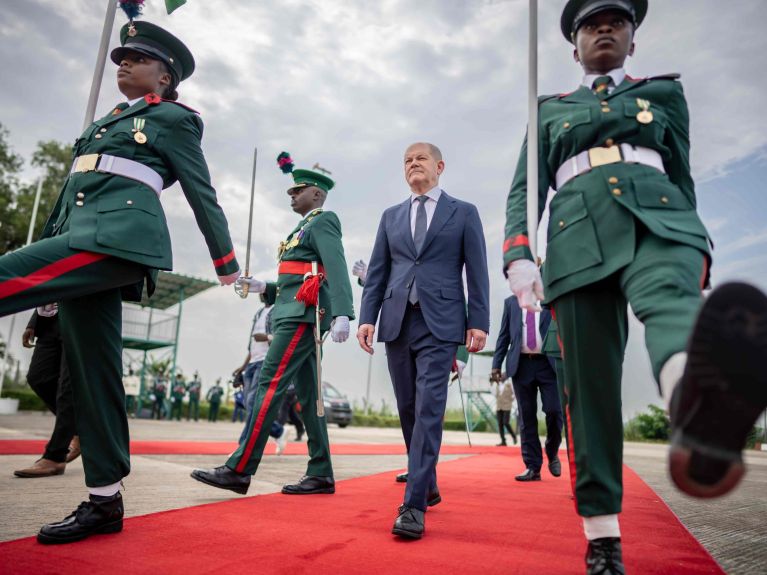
(733, 529)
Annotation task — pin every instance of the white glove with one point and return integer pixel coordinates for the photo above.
(360, 269)
(339, 329)
(254, 285)
(526, 283)
(48, 310)
(228, 279)
(461, 365)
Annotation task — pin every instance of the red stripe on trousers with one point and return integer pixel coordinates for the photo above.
(259, 422)
(705, 273)
(568, 421)
(51, 271)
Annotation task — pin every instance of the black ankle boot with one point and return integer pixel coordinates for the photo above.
(604, 557)
(97, 515)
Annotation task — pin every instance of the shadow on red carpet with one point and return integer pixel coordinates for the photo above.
(486, 524)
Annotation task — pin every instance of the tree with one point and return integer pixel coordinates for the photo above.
(17, 199)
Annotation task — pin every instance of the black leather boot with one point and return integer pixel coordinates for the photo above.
(409, 523)
(97, 515)
(604, 557)
(223, 478)
(310, 485)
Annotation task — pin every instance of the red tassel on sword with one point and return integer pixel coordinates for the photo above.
(309, 292)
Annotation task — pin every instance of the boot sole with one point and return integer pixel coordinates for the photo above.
(435, 501)
(36, 475)
(406, 534)
(115, 527)
(240, 490)
(724, 388)
(325, 490)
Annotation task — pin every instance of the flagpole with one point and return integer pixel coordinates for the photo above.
(532, 132)
(101, 58)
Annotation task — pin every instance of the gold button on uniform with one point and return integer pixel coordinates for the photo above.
(566, 125)
(609, 142)
(663, 200)
(80, 195)
(605, 109)
(613, 180)
(97, 136)
(78, 203)
(561, 223)
(617, 192)
(102, 130)
(129, 202)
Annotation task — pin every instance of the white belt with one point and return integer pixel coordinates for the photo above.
(595, 157)
(119, 166)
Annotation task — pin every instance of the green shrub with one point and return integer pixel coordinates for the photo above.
(28, 400)
(652, 426)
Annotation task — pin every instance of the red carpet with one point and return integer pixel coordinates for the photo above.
(487, 523)
(36, 446)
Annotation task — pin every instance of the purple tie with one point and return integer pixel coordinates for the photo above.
(531, 342)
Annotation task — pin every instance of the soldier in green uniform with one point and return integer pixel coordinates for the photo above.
(160, 393)
(106, 237)
(624, 230)
(177, 393)
(194, 388)
(312, 258)
(214, 400)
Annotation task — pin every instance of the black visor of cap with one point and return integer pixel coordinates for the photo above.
(600, 6)
(118, 54)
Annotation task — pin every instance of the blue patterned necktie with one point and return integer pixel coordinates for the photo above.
(419, 235)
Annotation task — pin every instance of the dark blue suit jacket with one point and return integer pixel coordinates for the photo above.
(454, 239)
(511, 335)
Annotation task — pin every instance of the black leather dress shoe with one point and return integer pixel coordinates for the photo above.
(402, 478)
(604, 557)
(721, 393)
(529, 475)
(97, 515)
(409, 523)
(555, 466)
(433, 498)
(223, 478)
(310, 485)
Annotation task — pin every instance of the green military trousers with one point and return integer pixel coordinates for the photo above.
(87, 287)
(663, 286)
(291, 357)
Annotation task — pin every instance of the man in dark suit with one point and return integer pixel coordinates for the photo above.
(415, 281)
(520, 341)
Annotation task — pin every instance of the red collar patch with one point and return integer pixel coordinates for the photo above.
(152, 99)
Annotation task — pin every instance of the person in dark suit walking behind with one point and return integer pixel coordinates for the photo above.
(519, 342)
(415, 281)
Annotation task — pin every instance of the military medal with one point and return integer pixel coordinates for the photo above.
(138, 125)
(645, 115)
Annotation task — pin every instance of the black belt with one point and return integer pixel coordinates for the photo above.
(416, 305)
(532, 355)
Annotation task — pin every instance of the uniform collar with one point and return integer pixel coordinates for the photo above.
(618, 75)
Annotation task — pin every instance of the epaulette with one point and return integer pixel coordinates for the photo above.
(153, 99)
(670, 76)
(544, 99)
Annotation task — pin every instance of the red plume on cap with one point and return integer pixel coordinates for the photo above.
(285, 162)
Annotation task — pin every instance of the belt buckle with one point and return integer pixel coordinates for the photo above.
(87, 163)
(602, 156)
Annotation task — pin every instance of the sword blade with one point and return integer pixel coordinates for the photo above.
(250, 216)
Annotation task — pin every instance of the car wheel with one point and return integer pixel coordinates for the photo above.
(342, 425)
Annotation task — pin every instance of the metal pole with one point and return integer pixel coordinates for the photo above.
(463, 407)
(242, 290)
(178, 328)
(35, 206)
(532, 132)
(101, 58)
(367, 390)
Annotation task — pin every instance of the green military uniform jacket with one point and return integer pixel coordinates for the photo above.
(215, 393)
(118, 216)
(593, 218)
(194, 389)
(317, 237)
(178, 391)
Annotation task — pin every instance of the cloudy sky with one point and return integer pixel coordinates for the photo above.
(349, 84)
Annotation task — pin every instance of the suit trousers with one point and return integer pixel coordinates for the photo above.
(419, 365)
(87, 287)
(48, 376)
(535, 374)
(291, 357)
(663, 287)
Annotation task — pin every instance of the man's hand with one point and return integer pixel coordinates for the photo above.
(229, 279)
(495, 375)
(48, 310)
(365, 334)
(28, 337)
(260, 337)
(339, 329)
(254, 285)
(360, 270)
(475, 340)
(526, 283)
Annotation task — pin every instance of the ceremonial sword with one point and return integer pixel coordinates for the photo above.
(242, 290)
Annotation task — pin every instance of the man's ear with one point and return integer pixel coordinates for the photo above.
(575, 56)
(440, 167)
(631, 49)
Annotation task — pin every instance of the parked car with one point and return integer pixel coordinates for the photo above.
(337, 407)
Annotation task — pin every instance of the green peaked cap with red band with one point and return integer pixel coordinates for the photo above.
(155, 42)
